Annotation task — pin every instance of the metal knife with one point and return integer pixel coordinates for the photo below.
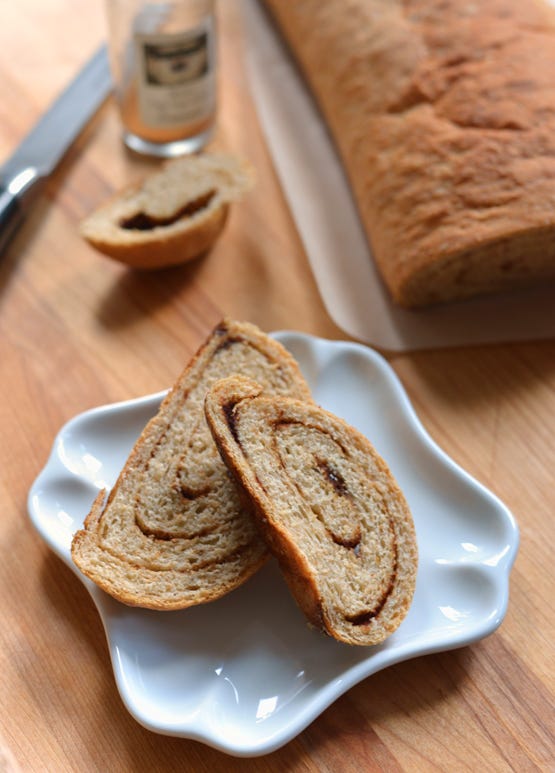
(38, 154)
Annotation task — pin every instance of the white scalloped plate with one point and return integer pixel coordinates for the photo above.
(245, 674)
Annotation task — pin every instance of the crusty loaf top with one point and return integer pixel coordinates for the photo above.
(444, 113)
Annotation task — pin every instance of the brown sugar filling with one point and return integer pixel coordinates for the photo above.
(141, 221)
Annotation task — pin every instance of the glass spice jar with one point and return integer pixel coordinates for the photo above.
(163, 61)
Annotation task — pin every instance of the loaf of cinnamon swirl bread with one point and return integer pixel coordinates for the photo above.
(443, 113)
(173, 531)
(327, 505)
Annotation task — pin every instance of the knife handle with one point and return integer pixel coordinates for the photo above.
(16, 192)
(11, 215)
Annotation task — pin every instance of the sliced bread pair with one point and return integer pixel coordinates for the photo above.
(173, 531)
(327, 505)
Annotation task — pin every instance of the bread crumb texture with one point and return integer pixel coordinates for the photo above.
(328, 507)
(174, 531)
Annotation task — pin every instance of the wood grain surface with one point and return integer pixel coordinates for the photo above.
(78, 330)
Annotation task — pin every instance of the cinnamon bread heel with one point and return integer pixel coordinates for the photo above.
(327, 505)
(173, 531)
(172, 216)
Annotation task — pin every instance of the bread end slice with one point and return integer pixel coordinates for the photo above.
(172, 216)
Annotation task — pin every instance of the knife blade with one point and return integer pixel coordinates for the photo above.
(42, 149)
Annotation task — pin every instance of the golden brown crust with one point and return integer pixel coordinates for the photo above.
(166, 249)
(445, 120)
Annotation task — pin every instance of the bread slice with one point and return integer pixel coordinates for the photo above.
(172, 216)
(328, 507)
(173, 531)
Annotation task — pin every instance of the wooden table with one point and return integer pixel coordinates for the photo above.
(77, 330)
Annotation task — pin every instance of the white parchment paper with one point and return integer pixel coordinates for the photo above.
(321, 203)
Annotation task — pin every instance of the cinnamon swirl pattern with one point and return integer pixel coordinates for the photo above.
(328, 507)
(173, 531)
